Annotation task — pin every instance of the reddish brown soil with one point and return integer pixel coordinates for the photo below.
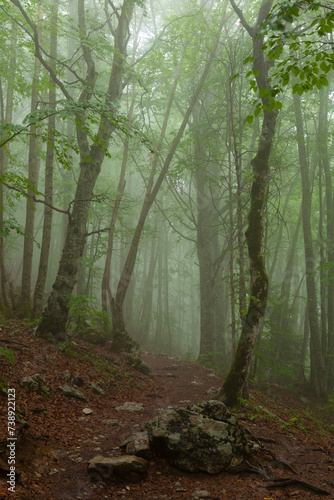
(52, 454)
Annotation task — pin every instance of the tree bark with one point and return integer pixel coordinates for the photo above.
(325, 165)
(318, 371)
(34, 165)
(6, 117)
(55, 315)
(47, 223)
(236, 379)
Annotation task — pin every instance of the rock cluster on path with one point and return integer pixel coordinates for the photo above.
(202, 437)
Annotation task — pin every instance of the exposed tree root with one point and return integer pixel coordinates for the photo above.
(278, 482)
(281, 483)
(281, 462)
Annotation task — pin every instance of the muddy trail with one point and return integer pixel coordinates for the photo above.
(57, 435)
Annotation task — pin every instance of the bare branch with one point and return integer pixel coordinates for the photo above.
(37, 200)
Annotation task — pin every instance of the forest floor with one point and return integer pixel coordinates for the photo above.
(53, 452)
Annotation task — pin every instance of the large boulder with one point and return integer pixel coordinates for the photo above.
(202, 437)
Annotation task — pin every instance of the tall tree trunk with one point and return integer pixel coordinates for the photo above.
(205, 232)
(147, 300)
(151, 194)
(236, 379)
(318, 372)
(106, 290)
(55, 315)
(47, 224)
(34, 165)
(322, 141)
(6, 117)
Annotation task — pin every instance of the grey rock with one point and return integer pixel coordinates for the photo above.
(72, 392)
(35, 383)
(213, 391)
(123, 342)
(127, 468)
(138, 445)
(202, 437)
(96, 389)
(73, 378)
(131, 407)
(132, 359)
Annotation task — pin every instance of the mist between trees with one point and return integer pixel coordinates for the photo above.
(166, 170)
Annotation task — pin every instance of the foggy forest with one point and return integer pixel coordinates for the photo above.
(166, 187)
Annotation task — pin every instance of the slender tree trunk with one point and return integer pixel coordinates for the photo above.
(106, 290)
(204, 245)
(34, 165)
(166, 301)
(318, 372)
(126, 274)
(231, 254)
(325, 164)
(322, 272)
(6, 117)
(47, 225)
(147, 301)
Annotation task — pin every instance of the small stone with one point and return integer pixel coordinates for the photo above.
(111, 421)
(213, 391)
(87, 411)
(197, 381)
(199, 494)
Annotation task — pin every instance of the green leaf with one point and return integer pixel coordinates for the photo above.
(234, 77)
(248, 59)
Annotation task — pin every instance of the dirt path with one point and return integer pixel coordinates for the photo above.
(52, 454)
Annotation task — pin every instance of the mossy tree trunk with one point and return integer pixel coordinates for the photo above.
(237, 377)
(55, 315)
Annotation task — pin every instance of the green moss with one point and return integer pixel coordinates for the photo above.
(122, 342)
(4, 386)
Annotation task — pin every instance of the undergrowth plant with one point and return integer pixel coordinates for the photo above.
(8, 354)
